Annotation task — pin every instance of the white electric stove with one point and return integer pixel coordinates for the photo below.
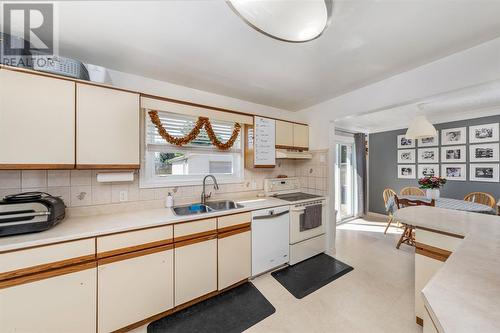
(307, 217)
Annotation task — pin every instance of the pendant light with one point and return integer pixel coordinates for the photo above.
(289, 21)
(420, 127)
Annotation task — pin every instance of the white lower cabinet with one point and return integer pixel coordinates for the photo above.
(234, 258)
(64, 303)
(195, 269)
(425, 268)
(134, 289)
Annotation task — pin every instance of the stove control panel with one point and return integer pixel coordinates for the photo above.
(281, 185)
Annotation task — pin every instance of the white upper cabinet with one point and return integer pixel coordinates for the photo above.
(107, 128)
(37, 121)
(284, 133)
(300, 136)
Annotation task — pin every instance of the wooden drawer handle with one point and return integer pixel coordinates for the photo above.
(195, 240)
(46, 274)
(234, 232)
(130, 255)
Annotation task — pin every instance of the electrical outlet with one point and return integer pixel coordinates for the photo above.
(123, 196)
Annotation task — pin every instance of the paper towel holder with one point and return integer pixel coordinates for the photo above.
(112, 177)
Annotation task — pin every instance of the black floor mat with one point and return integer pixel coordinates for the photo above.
(311, 274)
(233, 311)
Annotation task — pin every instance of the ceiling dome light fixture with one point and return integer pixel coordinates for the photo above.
(420, 127)
(285, 20)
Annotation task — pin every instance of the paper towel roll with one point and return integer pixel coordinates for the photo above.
(110, 177)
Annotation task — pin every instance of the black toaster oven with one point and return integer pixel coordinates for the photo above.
(30, 212)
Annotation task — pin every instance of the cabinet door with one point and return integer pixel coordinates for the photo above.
(195, 269)
(107, 128)
(134, 289)
(234, 254)
(300, 136)
(64, 303)
(37, 122)
(284, 133)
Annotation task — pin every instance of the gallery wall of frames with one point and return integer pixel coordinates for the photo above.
(466, 152)
(456, 154)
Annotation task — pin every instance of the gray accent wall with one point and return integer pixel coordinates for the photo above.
(383, 166)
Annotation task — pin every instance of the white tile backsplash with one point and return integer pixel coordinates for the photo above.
(101, 194)
(81, 195)
(10, 179)
(58, 178)
(33, 178)
(81, 177)
(80, 187)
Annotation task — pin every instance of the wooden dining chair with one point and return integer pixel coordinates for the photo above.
(482, 198)
(408, 236)
(411, 190)
(387, 194)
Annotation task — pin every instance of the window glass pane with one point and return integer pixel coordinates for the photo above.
(178, 164)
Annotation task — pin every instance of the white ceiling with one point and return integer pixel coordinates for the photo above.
(204, 45)
(470, 102)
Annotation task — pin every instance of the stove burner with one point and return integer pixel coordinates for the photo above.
(296, 196)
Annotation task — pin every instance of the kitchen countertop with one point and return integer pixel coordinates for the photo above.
(72, 228)
(464, 295)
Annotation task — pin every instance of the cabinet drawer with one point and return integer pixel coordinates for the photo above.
(188, 230)
(38, 259)
(235, 221)
(133, 241)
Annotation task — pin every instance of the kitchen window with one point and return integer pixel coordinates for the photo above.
(165, 164)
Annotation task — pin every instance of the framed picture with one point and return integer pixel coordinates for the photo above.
(406, 156)
(406, 171)
(428, 141)
(484, 153)
(405, 143)
(454, 136)
(454, 171)
(428, 170)
(484, 172)
(483, 133)
(453, 154)
(428, 155)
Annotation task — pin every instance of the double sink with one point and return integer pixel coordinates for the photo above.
(207, 207)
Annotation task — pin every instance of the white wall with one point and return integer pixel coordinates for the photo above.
(170, 90)
(473, 66)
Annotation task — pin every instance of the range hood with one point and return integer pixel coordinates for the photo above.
(293, 154)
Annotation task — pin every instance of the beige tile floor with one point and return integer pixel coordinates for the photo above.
(376, 297)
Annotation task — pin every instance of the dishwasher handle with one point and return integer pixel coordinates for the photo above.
(271, 215)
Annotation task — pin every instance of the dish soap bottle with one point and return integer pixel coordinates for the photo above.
(169, 202)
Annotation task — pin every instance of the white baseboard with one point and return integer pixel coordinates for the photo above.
(376, 215)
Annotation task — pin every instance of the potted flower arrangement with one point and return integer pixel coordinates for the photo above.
(431, 184)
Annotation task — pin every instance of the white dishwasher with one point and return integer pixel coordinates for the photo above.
(270, 238)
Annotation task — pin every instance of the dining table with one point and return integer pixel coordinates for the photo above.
(447, 203)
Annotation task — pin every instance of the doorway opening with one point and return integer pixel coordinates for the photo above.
(345, 181)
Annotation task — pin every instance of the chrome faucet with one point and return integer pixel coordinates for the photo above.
(204, 197)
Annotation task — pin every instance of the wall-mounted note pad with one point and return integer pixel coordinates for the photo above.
(264, 142)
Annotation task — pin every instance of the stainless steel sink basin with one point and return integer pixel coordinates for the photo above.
(191, 209)
(198, 208)
(223, 205)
